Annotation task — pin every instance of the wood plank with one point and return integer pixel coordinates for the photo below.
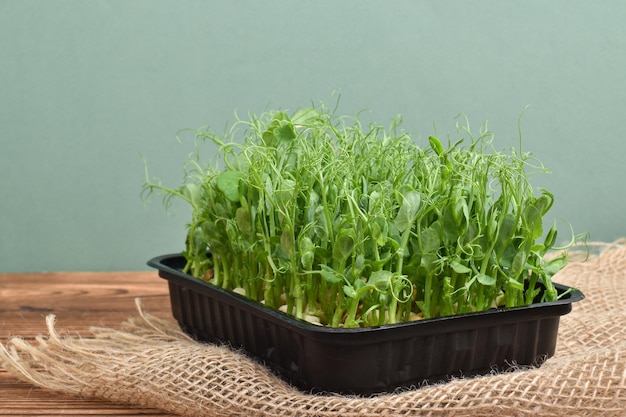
(79, 300)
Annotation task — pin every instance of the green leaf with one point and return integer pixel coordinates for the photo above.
(232, 232)
(507, 228)
(269, 139)
(378, 264)
(460, 268)
(461, 212)
(312, 206)
(380, 279)
(199, 241)
(305, 244)
(285, 131)
(330, 275)
(533, 222)
(518, 264)
(306, 116)
(406, 215)
(286, 241)
(307, 252)
(228, 183)
(192, 192)
(429, 241)
(286, 192)
(307, 258)
(435, 145)
(550, 237)
(349, 291)
(244, 222)
(486, 280)
(344, 244)
(513, 283)
(555, 265)
(544, 202)
(359, 264)
(379, 230)
(492, 225)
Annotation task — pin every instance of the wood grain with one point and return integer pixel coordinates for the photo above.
(79, 300)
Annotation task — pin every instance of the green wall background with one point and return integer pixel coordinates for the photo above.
(86, 86)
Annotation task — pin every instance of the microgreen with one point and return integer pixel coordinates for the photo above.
(320, 217)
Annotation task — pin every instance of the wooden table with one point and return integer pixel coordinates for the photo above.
(79, 300)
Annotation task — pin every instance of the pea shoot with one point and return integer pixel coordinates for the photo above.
(346, 226)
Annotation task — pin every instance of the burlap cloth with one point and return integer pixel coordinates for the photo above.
(149, 362)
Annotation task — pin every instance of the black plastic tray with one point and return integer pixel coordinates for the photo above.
(364, 360)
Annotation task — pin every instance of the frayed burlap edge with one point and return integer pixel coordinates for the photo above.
(150, 362)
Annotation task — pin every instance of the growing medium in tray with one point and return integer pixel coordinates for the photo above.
(344, 225)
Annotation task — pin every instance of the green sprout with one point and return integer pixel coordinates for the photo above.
(348, 226)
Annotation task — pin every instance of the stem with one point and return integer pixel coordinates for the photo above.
(428, 295)
(268, 295)
(392, 310)
(226, 275)
(297, 292)
(399, 266)
(329, 223)
(312, 293)
(339, 310)
(352, 310)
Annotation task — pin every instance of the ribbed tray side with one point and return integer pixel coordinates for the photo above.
(365, 361)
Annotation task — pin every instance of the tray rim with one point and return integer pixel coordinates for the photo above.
(562, 306)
